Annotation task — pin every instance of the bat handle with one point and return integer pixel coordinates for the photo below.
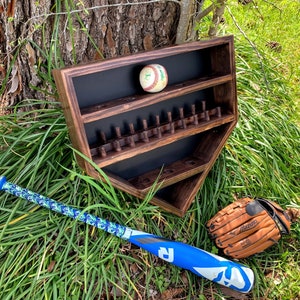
(110, 227)
(198, 261)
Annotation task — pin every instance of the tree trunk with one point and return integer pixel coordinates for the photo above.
(38, 36)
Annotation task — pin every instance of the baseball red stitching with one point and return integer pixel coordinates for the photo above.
(156, 77)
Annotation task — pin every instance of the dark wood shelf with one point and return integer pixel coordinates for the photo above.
(117, 106)
(112, 156)
(169, 174)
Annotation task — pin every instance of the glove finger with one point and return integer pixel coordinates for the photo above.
(234, 210)
(246, 229)
(255, 243)
(235, 222)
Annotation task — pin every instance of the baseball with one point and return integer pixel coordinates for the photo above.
(153, 78)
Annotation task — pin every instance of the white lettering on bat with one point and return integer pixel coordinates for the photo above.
(166, 254)
(217, 274)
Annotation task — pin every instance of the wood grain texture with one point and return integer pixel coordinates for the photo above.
(171, 138)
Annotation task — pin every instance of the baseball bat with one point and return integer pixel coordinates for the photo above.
(198, 261)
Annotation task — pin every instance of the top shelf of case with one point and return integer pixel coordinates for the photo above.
(117, 106)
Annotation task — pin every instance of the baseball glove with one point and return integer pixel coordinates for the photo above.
(248, 226)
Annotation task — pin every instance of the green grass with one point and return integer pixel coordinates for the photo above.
(44, 255)
(272, 28)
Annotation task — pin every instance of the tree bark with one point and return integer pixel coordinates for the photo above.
(217, 17)
(190, 14)
(38, 36)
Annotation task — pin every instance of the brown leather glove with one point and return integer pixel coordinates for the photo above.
(248, 226)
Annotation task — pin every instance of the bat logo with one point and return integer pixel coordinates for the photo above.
(166, 254)
(230, 277)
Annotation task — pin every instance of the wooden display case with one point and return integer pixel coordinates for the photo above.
(172, 137)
